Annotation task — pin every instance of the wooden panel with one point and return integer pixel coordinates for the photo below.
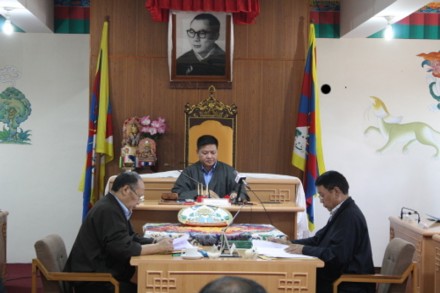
(265, 190)
(3, 241)
(268, 65)
(424, 255)
(163, 273)
(436, 239)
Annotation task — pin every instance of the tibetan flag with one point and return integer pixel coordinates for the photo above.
(307, 149)
(100, 136)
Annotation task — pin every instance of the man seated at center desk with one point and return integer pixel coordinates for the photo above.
(208, 171)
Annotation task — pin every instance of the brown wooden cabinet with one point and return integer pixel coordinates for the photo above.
(3, 225)
(436, 239)
(422, 238)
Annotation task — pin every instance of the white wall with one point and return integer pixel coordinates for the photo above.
(381, 184)
(39, 181)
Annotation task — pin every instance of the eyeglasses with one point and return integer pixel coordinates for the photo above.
(201, 34)
(140, 197)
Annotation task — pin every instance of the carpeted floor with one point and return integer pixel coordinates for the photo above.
(19, 279)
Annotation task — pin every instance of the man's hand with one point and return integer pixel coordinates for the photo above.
(280, 240)
(294, 248)
(213, 194)
(165, 245)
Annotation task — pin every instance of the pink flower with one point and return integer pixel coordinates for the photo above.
(152, 131)
(152, 128)
(145, 121)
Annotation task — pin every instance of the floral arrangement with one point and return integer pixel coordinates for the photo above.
(152, 128)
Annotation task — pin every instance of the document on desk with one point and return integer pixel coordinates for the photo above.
(182, 242)
(272, 249)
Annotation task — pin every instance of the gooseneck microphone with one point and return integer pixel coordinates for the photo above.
(241, 179)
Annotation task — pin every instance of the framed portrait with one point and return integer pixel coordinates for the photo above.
(200, 49)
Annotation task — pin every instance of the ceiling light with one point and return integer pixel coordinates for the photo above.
(7, 27)
(388, 33)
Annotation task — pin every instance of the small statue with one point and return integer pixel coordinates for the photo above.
(146, 150)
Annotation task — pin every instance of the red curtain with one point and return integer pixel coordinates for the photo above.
(243, 11)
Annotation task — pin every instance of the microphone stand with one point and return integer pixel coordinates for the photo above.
(225, 246)
(240, 186)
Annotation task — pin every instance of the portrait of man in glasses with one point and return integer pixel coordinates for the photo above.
(206, 57)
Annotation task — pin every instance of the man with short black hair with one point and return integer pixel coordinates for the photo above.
(344, 243)
(233, 284)
(218, 176)
(206, 57)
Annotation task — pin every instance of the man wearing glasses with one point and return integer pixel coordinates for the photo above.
(206, 57)
(343, 244)
(106, 240)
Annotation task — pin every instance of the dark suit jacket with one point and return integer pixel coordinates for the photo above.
(188, 64)
(222, 181)
(344, 245)
(105, 242)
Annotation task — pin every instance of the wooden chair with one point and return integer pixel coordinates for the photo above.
(396, 271)
(50, 262)
(212, 117)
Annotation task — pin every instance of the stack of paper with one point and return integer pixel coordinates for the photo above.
(272, 249)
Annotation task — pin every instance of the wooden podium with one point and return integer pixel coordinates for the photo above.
(164, 273)
(422, 238)
(282, 215)
(436, 239)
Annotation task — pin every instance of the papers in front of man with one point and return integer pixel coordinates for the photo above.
(182, 243)
(272, 249)
(432, 218)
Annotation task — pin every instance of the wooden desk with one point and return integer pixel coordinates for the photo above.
(283, 215)
(425, 249)
(163, 273)
(279, 188)
(436, 239)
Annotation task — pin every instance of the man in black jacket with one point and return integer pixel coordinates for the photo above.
(219, 177)
(106, 241)
(344, 243)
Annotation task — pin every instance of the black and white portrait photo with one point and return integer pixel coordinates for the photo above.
(201, 46)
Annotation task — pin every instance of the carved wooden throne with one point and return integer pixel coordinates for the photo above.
(212, 117)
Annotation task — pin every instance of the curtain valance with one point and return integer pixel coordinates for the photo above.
(243, 11)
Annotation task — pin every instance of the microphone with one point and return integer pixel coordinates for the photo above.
(199, 184)
(241, 180)
(408, 211)
(224, 243)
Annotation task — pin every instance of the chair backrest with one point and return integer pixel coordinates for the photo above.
(398, 256)
(212, 117)
(51, 251)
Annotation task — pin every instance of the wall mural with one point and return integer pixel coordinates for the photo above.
(432, 66)
(14, 109)
(391, 128)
